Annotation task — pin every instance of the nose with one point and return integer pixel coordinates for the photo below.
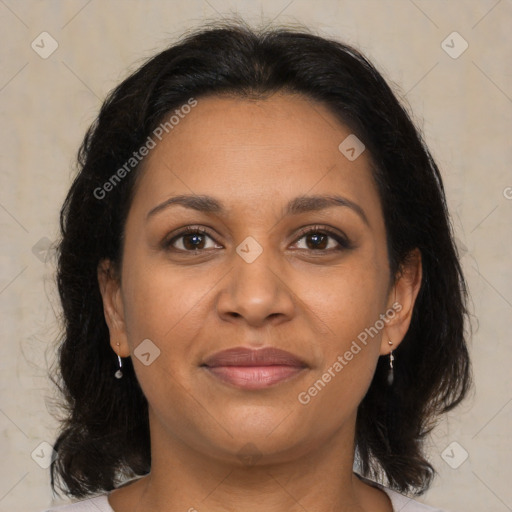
(256, 292)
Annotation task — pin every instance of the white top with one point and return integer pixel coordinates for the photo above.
(400, 503)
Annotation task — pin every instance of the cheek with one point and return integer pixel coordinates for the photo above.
(349, 351)
(167, 305)
(349, 311)
(162, 305)
(159, 298)
(352, 298)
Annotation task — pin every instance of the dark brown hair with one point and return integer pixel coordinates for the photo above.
(105, 436)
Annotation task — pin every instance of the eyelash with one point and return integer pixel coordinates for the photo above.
(343, 242)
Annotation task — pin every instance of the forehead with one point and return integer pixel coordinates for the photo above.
(289, 123)
(251, 150)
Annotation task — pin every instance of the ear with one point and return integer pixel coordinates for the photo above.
(401, 300)
(110, 289)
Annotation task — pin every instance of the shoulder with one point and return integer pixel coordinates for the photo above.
(404, 504)
(96, 504)
(399, 501)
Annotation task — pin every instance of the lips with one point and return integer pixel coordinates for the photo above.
(254, 369)
(241, 356)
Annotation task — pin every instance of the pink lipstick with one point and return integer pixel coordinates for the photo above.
(254, 369)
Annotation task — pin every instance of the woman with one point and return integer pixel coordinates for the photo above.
(260, 287)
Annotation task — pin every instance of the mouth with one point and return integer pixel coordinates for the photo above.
(254, 369)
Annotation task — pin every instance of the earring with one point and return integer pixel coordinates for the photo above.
(391, 375)
(119, 373)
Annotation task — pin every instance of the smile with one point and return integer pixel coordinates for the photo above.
(254, 369)
(254, 377)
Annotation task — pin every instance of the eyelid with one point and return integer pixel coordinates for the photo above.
(169, 239)
(341, 239)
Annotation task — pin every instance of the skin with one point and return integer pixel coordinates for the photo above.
(254, 156)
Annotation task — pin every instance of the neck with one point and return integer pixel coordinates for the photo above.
(186, 478)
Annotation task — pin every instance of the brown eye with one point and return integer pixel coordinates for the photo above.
(317, 239)
(190, 239)
(322, 239)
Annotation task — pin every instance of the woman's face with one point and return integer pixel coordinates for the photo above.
(254, 279)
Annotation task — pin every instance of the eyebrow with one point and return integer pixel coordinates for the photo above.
(296, 206)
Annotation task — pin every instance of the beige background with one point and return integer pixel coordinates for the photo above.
(464, 106)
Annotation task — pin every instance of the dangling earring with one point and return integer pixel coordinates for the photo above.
(119, 373)
(391, 375)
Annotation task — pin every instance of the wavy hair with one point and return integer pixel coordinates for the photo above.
(104, 436)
